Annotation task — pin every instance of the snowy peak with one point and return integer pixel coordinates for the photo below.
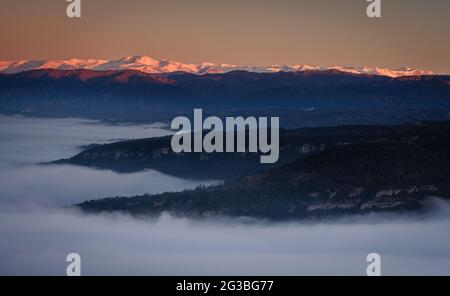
(150, 65)
(383, 71)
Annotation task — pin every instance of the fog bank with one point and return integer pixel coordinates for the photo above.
(37, 243)
(36, 233)
(25, 142)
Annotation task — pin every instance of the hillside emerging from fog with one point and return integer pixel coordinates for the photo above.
(347, 170)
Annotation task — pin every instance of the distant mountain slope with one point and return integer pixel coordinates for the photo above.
(156, 153)
(395, 169)
(150, 65)
(311, 98)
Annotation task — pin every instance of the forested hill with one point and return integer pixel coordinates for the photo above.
(385, 169)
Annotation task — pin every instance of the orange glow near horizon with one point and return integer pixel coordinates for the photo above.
(411, 33)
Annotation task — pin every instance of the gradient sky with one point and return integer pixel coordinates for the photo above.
(412, 33)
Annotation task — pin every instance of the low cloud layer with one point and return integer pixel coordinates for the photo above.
(37, 243)
(36, 234)
(28, 141)
(63, 185)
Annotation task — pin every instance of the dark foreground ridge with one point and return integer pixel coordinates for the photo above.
(156, 153)
(370, 169)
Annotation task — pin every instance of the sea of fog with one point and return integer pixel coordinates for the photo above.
(36, 232)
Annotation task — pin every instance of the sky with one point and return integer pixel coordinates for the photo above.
(246, 32)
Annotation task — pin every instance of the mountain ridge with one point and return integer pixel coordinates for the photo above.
(148, 64)
(310, 98)
(367, 169)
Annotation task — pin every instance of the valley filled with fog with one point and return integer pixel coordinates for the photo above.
(37, 231)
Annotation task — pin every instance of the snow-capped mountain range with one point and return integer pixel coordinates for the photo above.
(150, 65)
